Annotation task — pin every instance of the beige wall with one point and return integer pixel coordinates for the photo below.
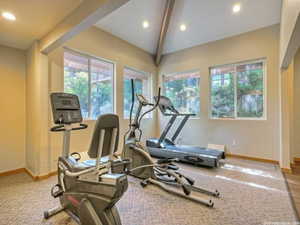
(250, 138)
(12, 108)
(37, 150)
(253, 138)
(287, 115)
(31, 82)
(296, 107)
(290, 81)
(100, 44)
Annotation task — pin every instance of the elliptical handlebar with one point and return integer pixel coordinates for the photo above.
(136, 125)
(132, 101)
(154, 106)
(60, 128)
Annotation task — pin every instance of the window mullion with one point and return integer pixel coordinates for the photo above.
(235, 92)
(89, 91)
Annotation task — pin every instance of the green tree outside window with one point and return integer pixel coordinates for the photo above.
(183, 89)
(237, 91)
(92, 81)
(142, 86)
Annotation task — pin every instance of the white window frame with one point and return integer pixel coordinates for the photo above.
(89, 57)
(264, 117)
(181, 72)
(150, 87)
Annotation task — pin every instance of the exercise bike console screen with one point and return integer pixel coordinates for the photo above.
(65, 108)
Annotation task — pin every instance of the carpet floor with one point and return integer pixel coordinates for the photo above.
(251, 193)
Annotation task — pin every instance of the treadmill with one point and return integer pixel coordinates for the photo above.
(166, 148)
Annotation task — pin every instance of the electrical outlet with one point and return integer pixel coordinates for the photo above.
(234, 142)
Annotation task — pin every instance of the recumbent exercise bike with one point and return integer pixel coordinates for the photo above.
(87, 190)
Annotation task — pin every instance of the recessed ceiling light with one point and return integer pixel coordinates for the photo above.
(236, 8)
(145, 24)
(9, 16)
(182, 27)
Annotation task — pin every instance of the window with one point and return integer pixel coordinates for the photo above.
(91, 79)
(222, 92)
(184, 91)
(237, 90)
(142, 82)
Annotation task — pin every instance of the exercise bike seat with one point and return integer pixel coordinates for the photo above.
(107, 122)
(75, 166)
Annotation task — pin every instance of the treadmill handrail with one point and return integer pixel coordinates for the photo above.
(165, 106)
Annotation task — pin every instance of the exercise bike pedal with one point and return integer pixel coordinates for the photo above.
(58, 192)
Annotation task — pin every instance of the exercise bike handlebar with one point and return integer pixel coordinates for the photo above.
(60, 128)
(76, 174)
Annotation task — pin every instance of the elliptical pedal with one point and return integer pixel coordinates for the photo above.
(144, 183)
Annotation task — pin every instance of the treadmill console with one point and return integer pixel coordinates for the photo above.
(65, 108)
(165, 104)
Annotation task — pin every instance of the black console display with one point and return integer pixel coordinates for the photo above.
(65, 108)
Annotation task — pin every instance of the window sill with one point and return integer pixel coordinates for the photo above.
(147, 118)
(190, 118)
(89, 120)
(195, 118)
(239, 119)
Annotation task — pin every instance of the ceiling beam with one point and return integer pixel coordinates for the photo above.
(164, 28)
(86, 15)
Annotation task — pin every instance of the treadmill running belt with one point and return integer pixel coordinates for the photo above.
(196, 150)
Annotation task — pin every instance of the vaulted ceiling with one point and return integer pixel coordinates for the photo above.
(126, 23)
(205, 20)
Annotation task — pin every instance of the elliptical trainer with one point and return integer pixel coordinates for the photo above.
(163, 172)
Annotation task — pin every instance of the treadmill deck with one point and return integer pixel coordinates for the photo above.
(194, 155)
(196, 150)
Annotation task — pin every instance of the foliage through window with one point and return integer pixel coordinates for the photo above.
(237, 91)
(92, 80)
(184, 91)
(142, 84)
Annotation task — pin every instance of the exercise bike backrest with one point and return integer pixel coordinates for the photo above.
(108, 126)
